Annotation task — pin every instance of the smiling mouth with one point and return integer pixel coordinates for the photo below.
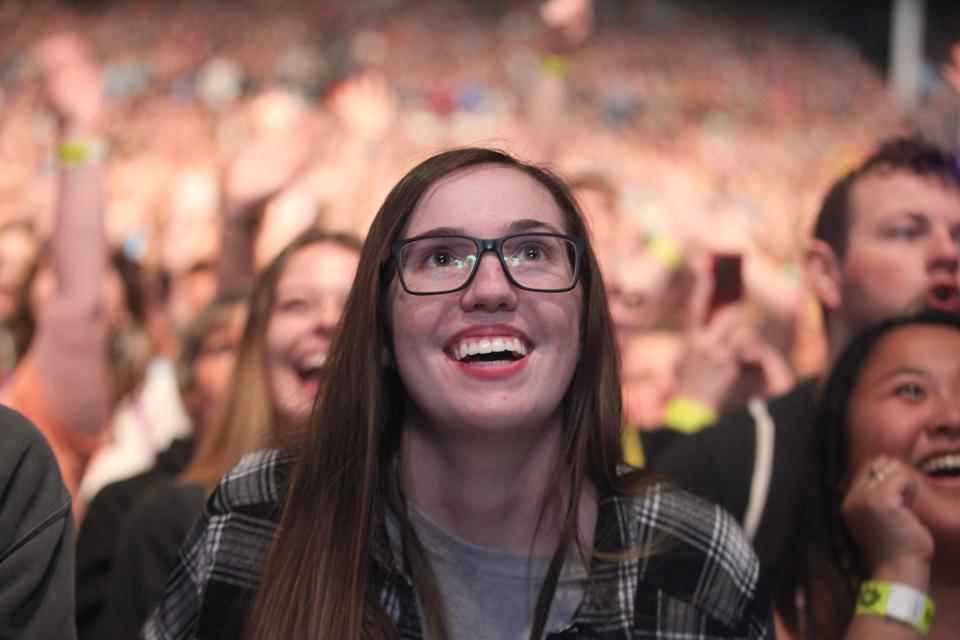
(310, 367)
(489, 350)
(942, 466)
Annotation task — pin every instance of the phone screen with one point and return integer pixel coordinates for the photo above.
(727, 281)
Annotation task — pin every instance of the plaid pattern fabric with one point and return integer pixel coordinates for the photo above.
(698, 580)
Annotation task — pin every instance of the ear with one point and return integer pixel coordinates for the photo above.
(822, 267)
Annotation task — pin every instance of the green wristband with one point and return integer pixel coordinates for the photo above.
(897, 602)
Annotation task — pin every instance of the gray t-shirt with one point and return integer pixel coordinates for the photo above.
(490, 594)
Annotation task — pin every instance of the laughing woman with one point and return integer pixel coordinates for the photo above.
(460, 477)
(884, 510)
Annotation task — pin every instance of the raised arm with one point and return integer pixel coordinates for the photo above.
(71, 341)
(258, 173)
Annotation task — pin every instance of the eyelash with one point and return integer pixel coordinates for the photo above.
(904, 233)
(910, 390)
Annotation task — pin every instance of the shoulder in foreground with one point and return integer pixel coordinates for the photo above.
(18, 434)
(258, 479)
(697, 554)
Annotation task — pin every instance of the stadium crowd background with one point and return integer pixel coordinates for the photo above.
(717, 127)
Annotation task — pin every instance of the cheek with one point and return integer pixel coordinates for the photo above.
(276, 340)
(881, 274)
(213, 374)
(414, 323)
(881, 430)
(42, 291)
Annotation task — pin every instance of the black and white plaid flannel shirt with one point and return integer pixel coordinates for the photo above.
(701, 582)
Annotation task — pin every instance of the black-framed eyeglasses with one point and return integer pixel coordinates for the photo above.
(434, 264)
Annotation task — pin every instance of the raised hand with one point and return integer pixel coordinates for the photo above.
(364, 104)
(878, 511)
(280, 150)
(572, 20)
(73, 80)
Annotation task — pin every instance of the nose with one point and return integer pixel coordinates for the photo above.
(946, 422)
(490, 290)
(326, 314)
(944, 250)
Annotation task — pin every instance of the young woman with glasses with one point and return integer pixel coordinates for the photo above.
(460, 476)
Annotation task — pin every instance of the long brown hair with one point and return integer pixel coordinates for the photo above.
(244, 419)
(316, 582)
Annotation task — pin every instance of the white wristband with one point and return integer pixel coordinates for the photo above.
(897, 602)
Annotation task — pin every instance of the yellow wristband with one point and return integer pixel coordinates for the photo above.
(897, 602)
(555, 65)
(688, 415)
(81, 152)
(667, 251)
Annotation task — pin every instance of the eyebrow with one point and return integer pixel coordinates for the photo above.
(902, 371)
(517, 226)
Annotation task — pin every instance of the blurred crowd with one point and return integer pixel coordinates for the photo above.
(711, 129)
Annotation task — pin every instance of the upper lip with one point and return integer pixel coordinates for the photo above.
(491, 330)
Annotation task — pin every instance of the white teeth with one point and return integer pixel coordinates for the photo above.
(314, 361)
(948, 462)
(474, 346)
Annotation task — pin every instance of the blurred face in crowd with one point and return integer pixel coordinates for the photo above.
(213, 366)
(600, 209)
(307, 305)
(649, 362)
(490, 356)
(902, 248)
(18, 250)
(189, 293)
(906, 405)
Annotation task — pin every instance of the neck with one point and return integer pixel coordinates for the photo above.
(490, 489)
(838, 335)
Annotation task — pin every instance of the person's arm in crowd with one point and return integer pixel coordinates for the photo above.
(72, 332)
(568, 23)
(365, 107)
(258, 173)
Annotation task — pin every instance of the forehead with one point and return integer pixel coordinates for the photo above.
(487, 201)
(928, 348)
(321, 265)
(883, 194)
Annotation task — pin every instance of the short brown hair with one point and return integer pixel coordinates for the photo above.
(912, 154)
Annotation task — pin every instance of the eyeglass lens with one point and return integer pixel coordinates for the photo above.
(443, 263)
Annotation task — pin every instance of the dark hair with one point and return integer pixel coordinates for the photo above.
(319, 580)
(912, 154)
(832, 565)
